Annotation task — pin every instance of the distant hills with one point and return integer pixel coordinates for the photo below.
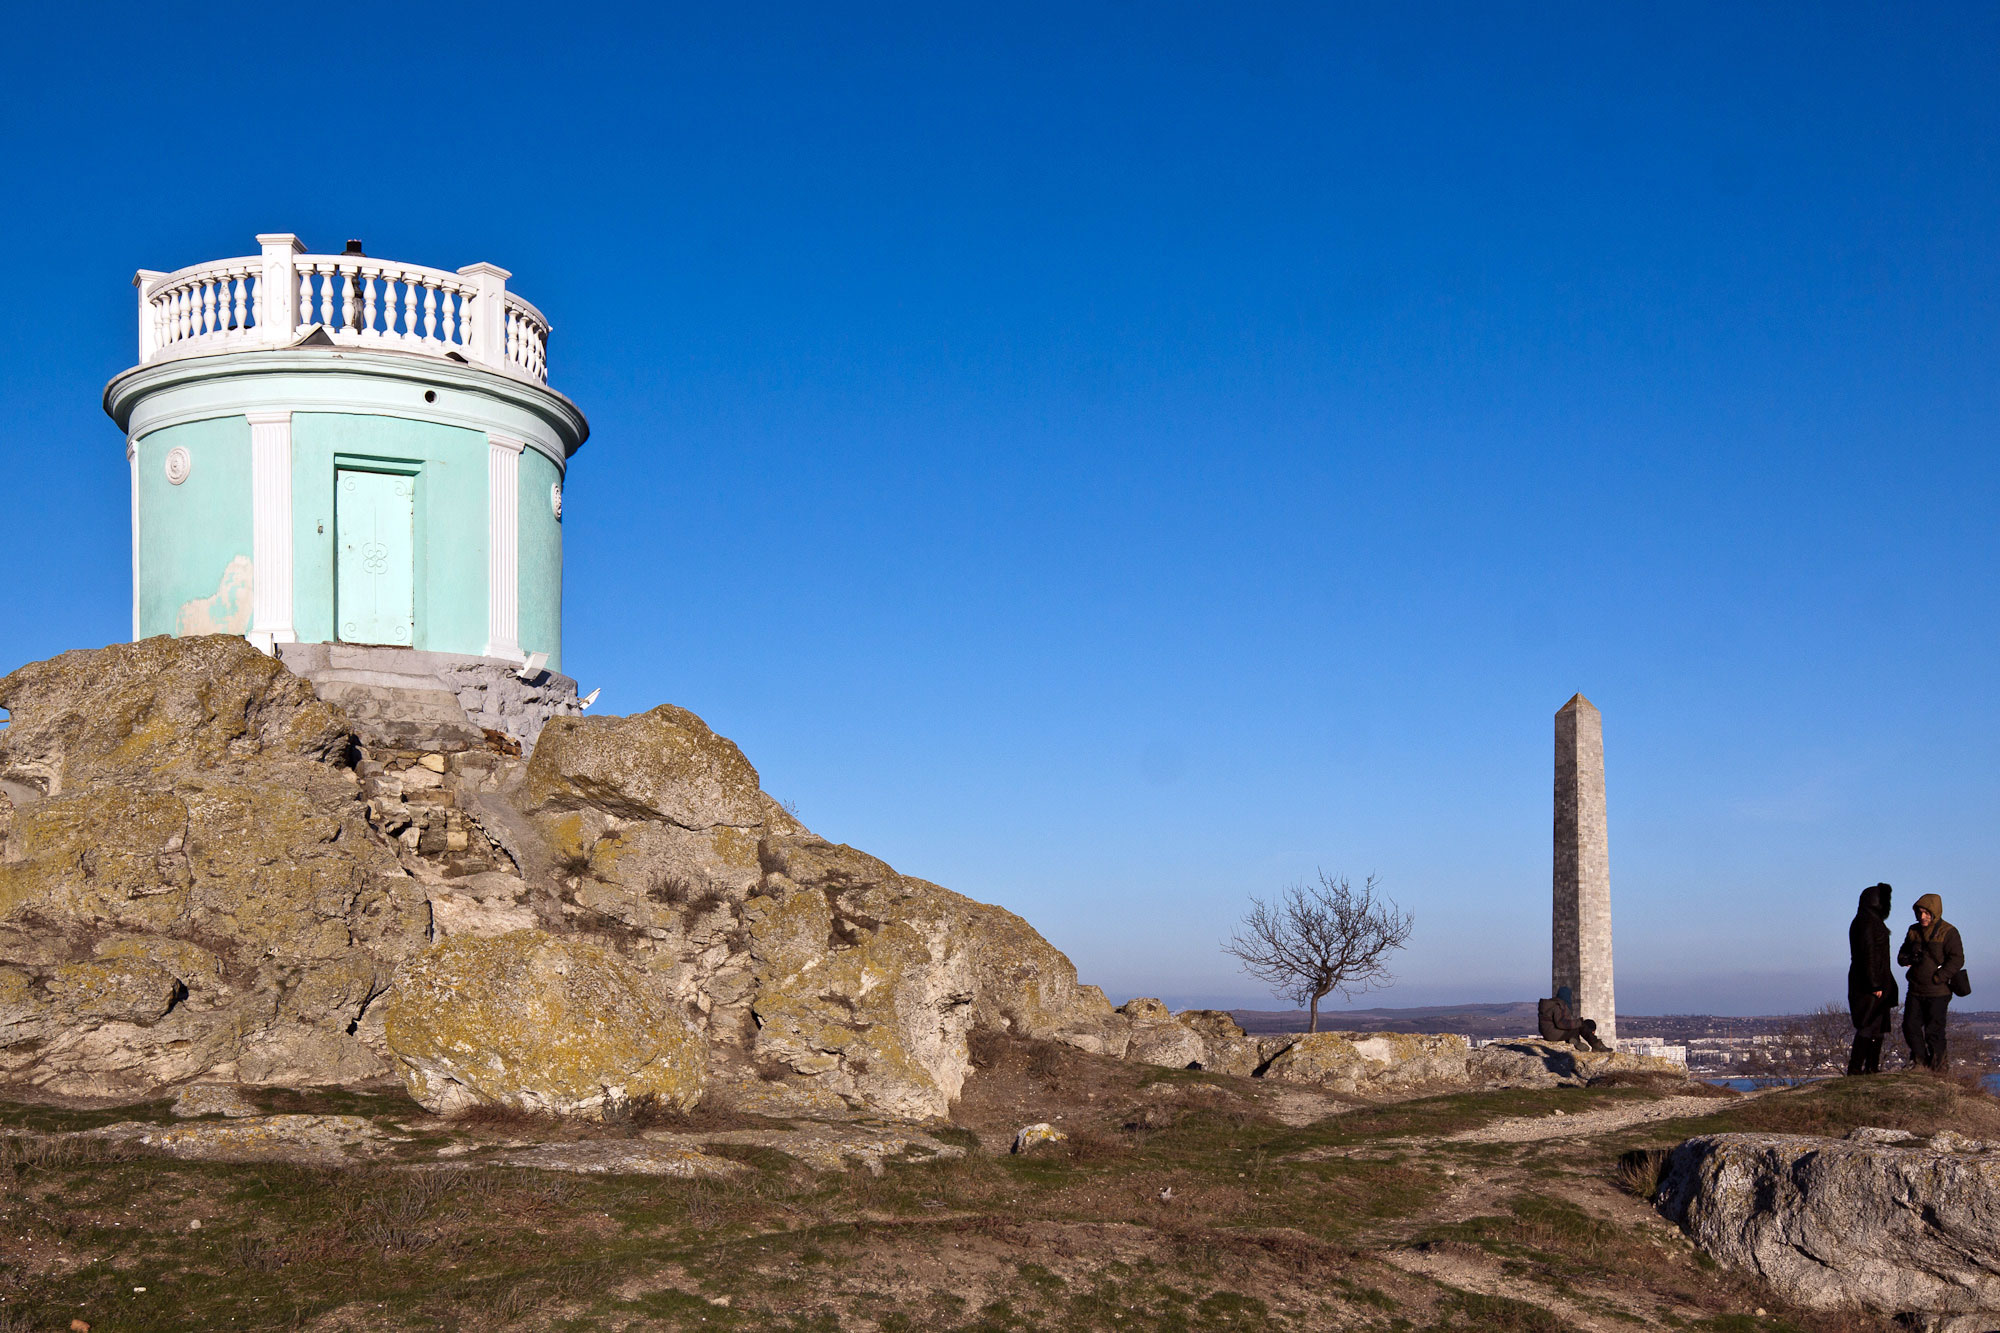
(1518, 1020)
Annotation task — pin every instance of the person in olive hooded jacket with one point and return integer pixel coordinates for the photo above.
(1934, 954)
(1871, 982)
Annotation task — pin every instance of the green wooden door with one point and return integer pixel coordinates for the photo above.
(374, 580)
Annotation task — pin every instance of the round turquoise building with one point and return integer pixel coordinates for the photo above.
(337, 449)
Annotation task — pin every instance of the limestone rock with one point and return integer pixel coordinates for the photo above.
(224, 1099)
(1031, 1137)
(539, 1023)
(189, 885)
(140, 709)
(1373, 1063)
(625, 1157)
(867, 981)
(326, 1139)
(1155, 1038)
(1831, 1222)
(1226, 1047)
(665, 764)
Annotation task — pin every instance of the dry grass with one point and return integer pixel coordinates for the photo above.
(1638, 1172)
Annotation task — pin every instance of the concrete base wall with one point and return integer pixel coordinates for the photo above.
(432, 701)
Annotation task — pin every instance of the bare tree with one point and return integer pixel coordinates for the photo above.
(1320, 938)
(1811, 1045)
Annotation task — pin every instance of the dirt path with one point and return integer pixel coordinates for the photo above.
(1585, 1124)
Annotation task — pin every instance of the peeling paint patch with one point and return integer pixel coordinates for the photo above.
(226, 611)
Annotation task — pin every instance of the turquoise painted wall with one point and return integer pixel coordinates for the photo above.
(541, 560)
(194, 538)
(449, 464)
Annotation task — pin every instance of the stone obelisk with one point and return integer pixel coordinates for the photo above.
(1582, 937)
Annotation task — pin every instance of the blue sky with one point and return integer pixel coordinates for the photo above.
(1115, 460)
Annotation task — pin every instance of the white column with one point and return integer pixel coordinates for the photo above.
(503, 546)
(271, 529)
(132, 458)
(489, 313)
(280, 284)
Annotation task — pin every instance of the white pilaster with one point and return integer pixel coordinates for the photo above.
(503, 546)
(278, 289)
(132, 458)
(271, 529)
(489, 313)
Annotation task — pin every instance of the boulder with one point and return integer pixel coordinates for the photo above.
(1372, 1063)
(1897, 1227)
(866, 982)
(1226, 1047)
(665, 764)
(1031, 1137)
(1155, 1038)
(538, 1023)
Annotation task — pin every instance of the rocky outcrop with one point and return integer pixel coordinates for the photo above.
(1880, 1220)
(204, 876)
(189, 884)
(1154, 1037)
(538, 1023)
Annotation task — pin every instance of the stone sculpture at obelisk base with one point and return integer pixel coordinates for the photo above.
(1582, 938)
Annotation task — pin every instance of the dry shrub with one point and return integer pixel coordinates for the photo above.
(1050, 1062)
(500, 1116)
(1638, 1172)
(1088, 1145)
(989, 1047)
(22, 1153)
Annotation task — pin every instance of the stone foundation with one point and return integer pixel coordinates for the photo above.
(431, 701)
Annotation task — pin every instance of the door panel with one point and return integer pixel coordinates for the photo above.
(374, 580)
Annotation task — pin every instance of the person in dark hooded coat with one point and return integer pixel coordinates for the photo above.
(1556, 1017)
(1934, 954)
(1871, 981)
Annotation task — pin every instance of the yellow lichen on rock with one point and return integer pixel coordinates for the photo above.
(540, 1023)
(664, 764)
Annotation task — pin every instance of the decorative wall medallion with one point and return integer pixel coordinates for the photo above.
(555, 499)
(179, 463)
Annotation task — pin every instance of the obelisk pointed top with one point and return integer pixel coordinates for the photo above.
(1577, 703)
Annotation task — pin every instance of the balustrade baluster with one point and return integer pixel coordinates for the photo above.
(302, 310)
(239, 303)
(349, 305)
(256, 281)
(410, 308)
(454, 314)
(326, 272)
(431, 324)
(367, 303)
(180, 314)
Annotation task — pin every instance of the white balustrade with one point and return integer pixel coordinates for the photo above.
(281, 296)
